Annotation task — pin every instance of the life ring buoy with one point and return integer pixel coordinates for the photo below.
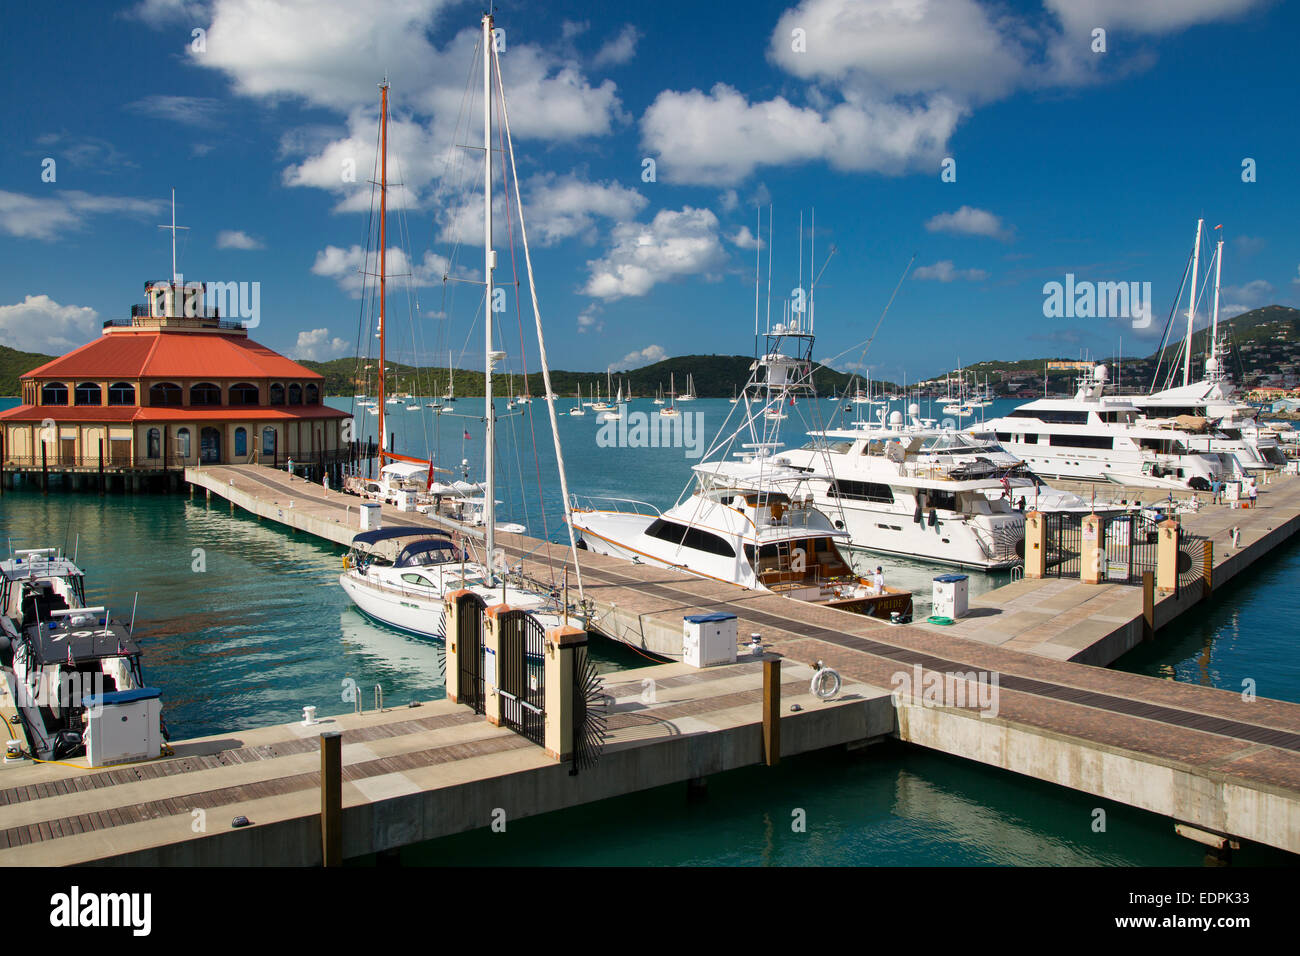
(825, 684)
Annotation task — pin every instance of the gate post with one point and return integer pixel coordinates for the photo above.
(1092, 550)
(1167, 556)
(450, 636)
(492, 700)
(562, 647)
(1035, 544)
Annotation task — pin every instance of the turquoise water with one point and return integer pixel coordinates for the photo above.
(263, 629)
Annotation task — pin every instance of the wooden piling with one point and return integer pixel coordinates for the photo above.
(771, 710)
(1148, 605)
(1207, 580)
(45, 470)
(331, 798)
(101, 468)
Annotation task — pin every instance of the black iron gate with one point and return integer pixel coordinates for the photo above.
(469, 650)
(1191, 561)
(1132, 541)
(522, 674)
(1064, 543)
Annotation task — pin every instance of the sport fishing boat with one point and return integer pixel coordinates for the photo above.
(1088, 438)
(65, 663)
(731, 525)
(400, 576)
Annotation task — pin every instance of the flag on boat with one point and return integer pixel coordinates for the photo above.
(467, 434)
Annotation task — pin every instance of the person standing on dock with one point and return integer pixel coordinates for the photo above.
(878, 580)
(1254, 491)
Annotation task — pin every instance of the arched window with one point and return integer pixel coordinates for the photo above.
(153, 444)
(245, 393)
(277, 394)
(295, 394)
(183, 443)
(268, 442)
(54, 393)
(312, 394)
(121, 393)
(205, 393)
(241, 442)
(88, 393)
(165, 394)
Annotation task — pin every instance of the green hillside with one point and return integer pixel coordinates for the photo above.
(13, 364)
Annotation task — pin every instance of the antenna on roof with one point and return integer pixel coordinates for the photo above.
(173, 227)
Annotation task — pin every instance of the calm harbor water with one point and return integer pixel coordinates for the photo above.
(252, 626)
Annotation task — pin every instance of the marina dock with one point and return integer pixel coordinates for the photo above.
(1221, 765)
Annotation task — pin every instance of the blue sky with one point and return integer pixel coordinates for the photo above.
(1068, 160)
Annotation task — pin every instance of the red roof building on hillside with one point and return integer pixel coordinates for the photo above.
(172, 386)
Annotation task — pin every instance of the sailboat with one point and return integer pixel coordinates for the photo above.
(735, 396)
(659, 394)
(671, 411)
(613, 413)
(690, 395)
(577, 409)
(400, 576)
(598, 405)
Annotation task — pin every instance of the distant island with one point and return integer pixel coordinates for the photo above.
(1265, 352)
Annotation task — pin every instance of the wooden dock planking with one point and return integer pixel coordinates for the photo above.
(387, 756)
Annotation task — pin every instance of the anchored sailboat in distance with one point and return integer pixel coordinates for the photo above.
(400, 575)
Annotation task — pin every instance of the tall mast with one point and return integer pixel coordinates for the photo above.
(1191, 305)
(383, 252)
(489, 263)
(1218, 272)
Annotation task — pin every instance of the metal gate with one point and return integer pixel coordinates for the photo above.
(469, 650)
(522, 677)
(1191, 561)
(1064, 543)
(1131, 544)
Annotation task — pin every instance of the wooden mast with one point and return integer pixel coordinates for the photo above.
(383, 250)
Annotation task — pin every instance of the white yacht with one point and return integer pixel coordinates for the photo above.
(731, 525)
(1091, 438)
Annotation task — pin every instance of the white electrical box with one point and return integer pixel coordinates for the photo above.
(950, 597)
(709, 639)
(123, 725)
(406, 500)
(1232, 491)
(372, 518)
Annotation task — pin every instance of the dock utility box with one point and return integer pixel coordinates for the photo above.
(406, 500)
(951, 597)
(372, 518)
(123, 725)
(709, 639)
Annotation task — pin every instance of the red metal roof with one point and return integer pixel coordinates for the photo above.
(158, 353)
(68, 414)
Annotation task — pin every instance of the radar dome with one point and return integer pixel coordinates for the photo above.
(896, 417)
(1101, 373)
(1211, 364)
(914, 409)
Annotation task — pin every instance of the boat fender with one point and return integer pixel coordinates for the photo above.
(825, 684)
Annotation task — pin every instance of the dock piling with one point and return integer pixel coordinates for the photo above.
(331, 798)
(771, 710)
(1148, 605)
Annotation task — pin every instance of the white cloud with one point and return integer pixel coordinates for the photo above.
(1252, 294)
(189, 110)
(969, 221)
(744, 239)
(943, 271)
(894, 47)
(635, 359)
(559, 207)
(29, 217)
(1149, 16)
(237, 239)
(674, 244)
(619, 50)
(720, 137)
(316, 345)
(39, 324)
(589, 319)
(345, 266)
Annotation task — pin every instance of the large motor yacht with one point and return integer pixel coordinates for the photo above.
(1092, 438)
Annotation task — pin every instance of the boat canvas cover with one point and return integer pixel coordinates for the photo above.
(388, 543)
(89, 642)
(427, 551)
(405, 471)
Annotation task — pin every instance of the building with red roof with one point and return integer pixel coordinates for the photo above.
(172, 386)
